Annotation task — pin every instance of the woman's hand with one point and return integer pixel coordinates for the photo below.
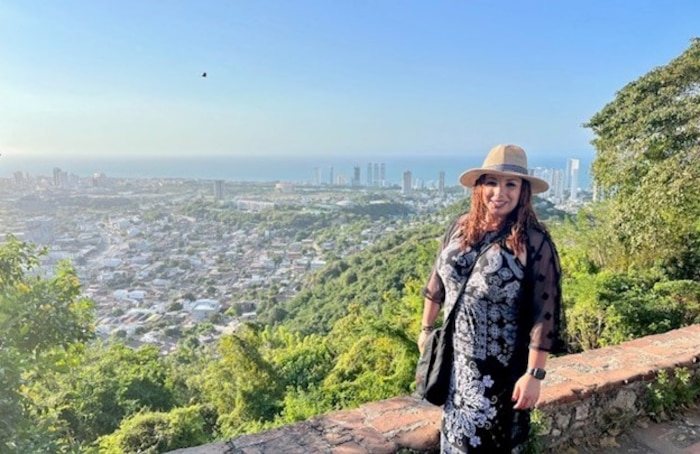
(526, 392)
(421, 341)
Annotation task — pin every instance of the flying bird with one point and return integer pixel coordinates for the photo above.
(204, 74)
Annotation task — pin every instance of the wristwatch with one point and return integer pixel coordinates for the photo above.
(537, 373)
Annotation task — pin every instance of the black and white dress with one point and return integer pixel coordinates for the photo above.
(505, 309)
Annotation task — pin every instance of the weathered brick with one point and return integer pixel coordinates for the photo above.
(420, 439)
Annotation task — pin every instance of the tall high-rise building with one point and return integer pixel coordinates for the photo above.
(382, 174)
(369, 174)
(317, 176)
(60, 178)
(330, 177)
(407, 183)
(375, 174)
(556, 189)
(218, 189)
(441, 181)
(57, 177)
(356, 176)
(573, 166)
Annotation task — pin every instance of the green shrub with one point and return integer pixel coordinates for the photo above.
(667, 393)
(157, 432)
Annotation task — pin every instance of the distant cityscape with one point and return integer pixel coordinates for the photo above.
(382, 170)
(564, 184)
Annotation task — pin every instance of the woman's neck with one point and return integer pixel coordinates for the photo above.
(492, 224)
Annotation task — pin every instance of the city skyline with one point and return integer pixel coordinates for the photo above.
(564, 183)
(321, 78)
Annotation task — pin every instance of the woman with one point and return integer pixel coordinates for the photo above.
(508, 314)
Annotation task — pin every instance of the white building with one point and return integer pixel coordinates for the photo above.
(203, 308)
(573, 166)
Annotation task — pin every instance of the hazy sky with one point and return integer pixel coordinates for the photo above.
(300, 77)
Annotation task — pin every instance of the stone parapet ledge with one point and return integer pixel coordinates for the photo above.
(584, 397)
(594, 394)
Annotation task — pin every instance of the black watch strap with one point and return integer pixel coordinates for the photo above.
(537, 373)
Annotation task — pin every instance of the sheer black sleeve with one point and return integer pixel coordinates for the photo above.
(434, 289)
(545, 283)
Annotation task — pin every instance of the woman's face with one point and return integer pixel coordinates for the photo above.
(501, 195)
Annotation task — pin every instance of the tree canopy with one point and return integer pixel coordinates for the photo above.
(648, 165)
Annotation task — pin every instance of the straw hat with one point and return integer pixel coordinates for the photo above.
(506, 160)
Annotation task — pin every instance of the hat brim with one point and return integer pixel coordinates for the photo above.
(469, 177)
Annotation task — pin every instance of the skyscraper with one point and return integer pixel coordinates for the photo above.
(317, 176)
(573, 166)
(407, 183)
(356, 176)
(218, 189)
(382, 174)
(57, 177)
(375, 174)
(557, 188)
(330, 178)
(369, 174)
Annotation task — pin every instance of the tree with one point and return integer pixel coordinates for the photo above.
(648, 164)
(189, 296)
(105, 385)
(40, 318)
(242, 384)
(155, 432)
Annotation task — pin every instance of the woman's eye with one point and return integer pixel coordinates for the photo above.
(490, 183)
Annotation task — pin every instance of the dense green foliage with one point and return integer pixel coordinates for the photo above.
(648, 164)
(632, 261)
(670, 394)
(104, 384)
(365, 279)
(156, 432)
(39, 318)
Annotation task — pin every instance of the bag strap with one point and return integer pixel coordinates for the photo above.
(449, 322)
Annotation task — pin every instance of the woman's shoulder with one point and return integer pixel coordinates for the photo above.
(538, 236)
(455, 224)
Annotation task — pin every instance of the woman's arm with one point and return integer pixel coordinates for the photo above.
(431, 309)
(526, 392)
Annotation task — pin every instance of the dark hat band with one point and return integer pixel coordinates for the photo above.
(508, 168)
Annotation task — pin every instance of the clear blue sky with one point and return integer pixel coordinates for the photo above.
(324, 77)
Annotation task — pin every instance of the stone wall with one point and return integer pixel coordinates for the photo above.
(587, 396)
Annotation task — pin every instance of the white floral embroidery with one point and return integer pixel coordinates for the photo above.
(505, 274)
(485, 330)
(469, 409)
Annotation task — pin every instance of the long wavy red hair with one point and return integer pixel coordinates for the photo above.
(473, 226)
